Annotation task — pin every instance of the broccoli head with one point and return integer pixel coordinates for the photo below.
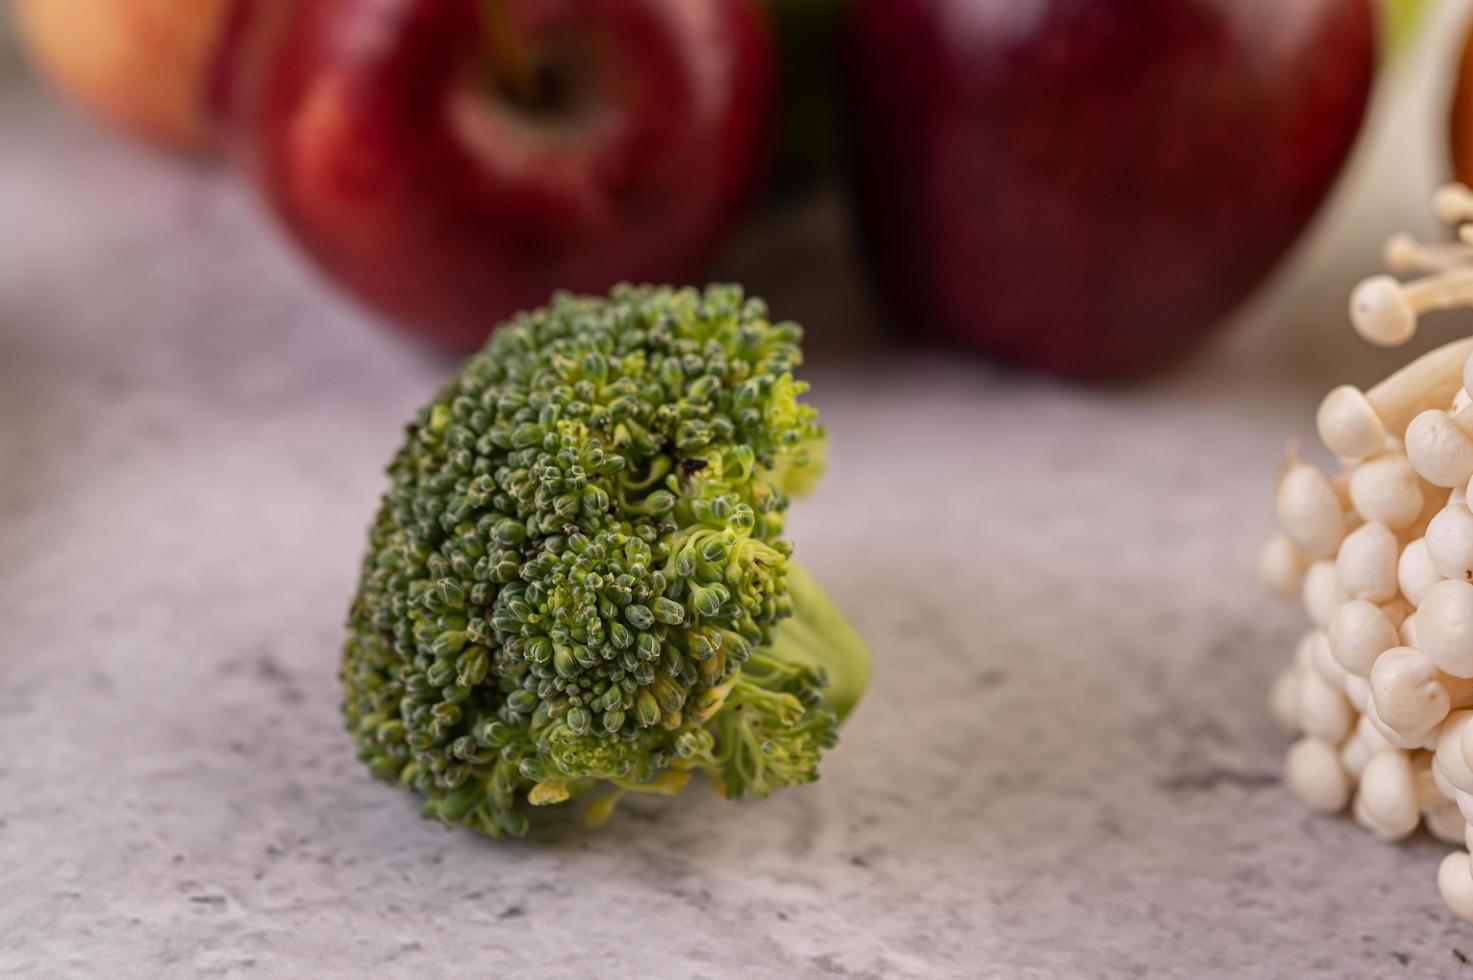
(577, 586)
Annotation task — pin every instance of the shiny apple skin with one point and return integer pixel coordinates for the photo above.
(1087, 187)
(377, 135)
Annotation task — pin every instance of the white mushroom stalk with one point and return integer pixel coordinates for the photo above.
(1379, 549)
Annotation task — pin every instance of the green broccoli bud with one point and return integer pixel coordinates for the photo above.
(576, 585)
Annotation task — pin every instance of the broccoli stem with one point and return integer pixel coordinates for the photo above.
(819, 636)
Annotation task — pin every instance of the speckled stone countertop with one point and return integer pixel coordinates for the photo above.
(1065, 767)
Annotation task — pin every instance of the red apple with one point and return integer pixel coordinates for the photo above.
(1088, 186)
(454, 161)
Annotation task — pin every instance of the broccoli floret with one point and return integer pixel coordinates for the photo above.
(576, 585)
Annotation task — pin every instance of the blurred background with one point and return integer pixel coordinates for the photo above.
(1071, 273)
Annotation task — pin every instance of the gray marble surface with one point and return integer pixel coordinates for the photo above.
(1065, 767)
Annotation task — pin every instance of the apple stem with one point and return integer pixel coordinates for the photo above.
(509, 63)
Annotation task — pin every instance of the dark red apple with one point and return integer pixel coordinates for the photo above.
(453, 161)
(1088, 186)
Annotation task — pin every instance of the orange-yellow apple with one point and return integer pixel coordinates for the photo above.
(143, 64)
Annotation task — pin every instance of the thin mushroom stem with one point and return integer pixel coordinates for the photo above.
(1440, 290)
(1403, 253)
(1430, 381)
(1453, 204)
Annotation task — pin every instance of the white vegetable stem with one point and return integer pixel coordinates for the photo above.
(1403, 253)
(1430, 381)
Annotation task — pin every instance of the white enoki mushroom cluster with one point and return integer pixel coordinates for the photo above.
(1380, 692)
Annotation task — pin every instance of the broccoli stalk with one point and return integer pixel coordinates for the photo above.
(818, 636)
(789, 698)
(576, 586)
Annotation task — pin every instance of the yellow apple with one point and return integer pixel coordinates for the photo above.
(141, 64)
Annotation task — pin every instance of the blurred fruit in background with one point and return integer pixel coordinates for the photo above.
(454, 162)
(1088, 187)
(1398, 18)
(1081, 186)
(142, 64)
(1461, 116)
(806, 33)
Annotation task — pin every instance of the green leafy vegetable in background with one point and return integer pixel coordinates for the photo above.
(1398, 17)
(577, 585)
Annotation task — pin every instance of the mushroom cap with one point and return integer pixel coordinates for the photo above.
(1366, 562)
(1281, 566)
(1387, 799)
(1439, 779)
(1354, 755)
(1309, 511)
(1445, 822)
(1438, 449)
(1445, 626)
(1414, 571)
(1323, 710)
(1360, 632)
(1452, 203)
(1387, 489)
(1449, 542)
(1313, 773)
(1399, 253)
(1348, 424)
(1389, 734)
(1283, 700)
(1381, 313)
(1448, 759)
(1408, 697)
(1455, 884)
(1323, 593)
(1322, 659)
